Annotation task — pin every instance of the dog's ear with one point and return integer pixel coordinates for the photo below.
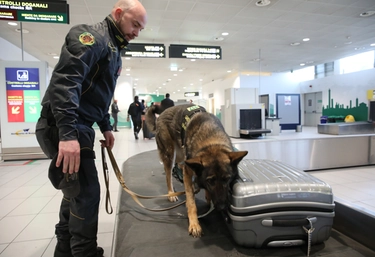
(236, 157)
(195, 164)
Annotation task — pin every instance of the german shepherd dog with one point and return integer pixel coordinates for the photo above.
(189, 135)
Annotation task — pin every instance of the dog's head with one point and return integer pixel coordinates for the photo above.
(215, 172)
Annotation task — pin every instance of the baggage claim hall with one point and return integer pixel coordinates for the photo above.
(292, 82)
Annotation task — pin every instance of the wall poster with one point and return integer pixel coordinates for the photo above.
(22, 94)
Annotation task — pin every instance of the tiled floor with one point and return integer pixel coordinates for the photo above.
(29, 203)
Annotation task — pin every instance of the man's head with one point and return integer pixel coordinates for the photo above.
(167, 95)
(136, 98)
(130, 17)
(115, 101)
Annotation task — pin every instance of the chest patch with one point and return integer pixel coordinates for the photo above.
(87, 38)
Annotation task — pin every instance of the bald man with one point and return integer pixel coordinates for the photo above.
(79, 94)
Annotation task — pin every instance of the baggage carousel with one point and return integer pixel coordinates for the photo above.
(140, 233)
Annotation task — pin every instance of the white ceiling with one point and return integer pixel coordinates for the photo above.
(254, 32)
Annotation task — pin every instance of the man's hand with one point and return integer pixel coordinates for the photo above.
(109, 140)
(70, 155)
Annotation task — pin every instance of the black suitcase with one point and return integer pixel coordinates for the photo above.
(146, 132)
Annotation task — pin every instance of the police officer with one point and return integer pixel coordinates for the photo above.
(79, 94)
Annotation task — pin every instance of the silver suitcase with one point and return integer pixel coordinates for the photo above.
(274, 204)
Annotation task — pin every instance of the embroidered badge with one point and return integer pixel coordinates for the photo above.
(87, 38)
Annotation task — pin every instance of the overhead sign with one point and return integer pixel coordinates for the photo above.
(35, 11)
(187, 94)
(144, 51)
(195, 52)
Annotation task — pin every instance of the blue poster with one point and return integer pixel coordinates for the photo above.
(22, 78)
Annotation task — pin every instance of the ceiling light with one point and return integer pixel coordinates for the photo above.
(24, 31)
(262, 3)
(136, 79)
(175, 74)
(181, 70)
(200, 79)
(173, 67)
(193, 60)
(348, 43)
(56, 57)
(372, 44)
(127, 68)
(225, 34)
(12, 23)
(127, 58)
(295, 44)
(367, 14)
(229, 71)
(306, 39)
(302, 64)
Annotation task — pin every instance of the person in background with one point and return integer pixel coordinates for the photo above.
(166, 102)
(115, 110)
(191, 101)
(135, 111)
(73, 102)
(144, 107)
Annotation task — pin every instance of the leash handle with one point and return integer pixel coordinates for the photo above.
(135, 196)
(106, 180)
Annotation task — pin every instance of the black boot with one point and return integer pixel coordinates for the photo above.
(62, 249)
(99, 252)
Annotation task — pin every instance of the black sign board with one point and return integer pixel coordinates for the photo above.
(144, 51)
(187, 94)
(195, 52)
(35, 11)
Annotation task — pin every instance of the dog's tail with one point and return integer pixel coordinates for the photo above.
(151, 118)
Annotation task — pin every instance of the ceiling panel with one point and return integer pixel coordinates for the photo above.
(330, 25)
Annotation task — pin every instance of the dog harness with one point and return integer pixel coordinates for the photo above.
(187, 115)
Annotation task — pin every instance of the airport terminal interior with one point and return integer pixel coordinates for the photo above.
(30, 203)
(291, 81)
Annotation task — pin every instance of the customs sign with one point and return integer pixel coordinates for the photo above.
(35, 11)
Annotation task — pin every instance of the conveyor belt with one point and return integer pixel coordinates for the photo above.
(141, 233)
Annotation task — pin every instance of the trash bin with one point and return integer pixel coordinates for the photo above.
(299, 128)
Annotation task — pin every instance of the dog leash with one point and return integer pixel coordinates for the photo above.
(120, 178)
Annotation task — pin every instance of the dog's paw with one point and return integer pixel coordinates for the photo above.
(173, 199)
(195, 230)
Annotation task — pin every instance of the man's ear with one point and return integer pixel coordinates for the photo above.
(117, 14)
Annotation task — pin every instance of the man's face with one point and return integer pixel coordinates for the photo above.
(132, 22)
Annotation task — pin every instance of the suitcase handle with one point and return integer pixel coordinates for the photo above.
(288, 223)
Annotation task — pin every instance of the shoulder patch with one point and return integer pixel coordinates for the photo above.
(87, 38)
